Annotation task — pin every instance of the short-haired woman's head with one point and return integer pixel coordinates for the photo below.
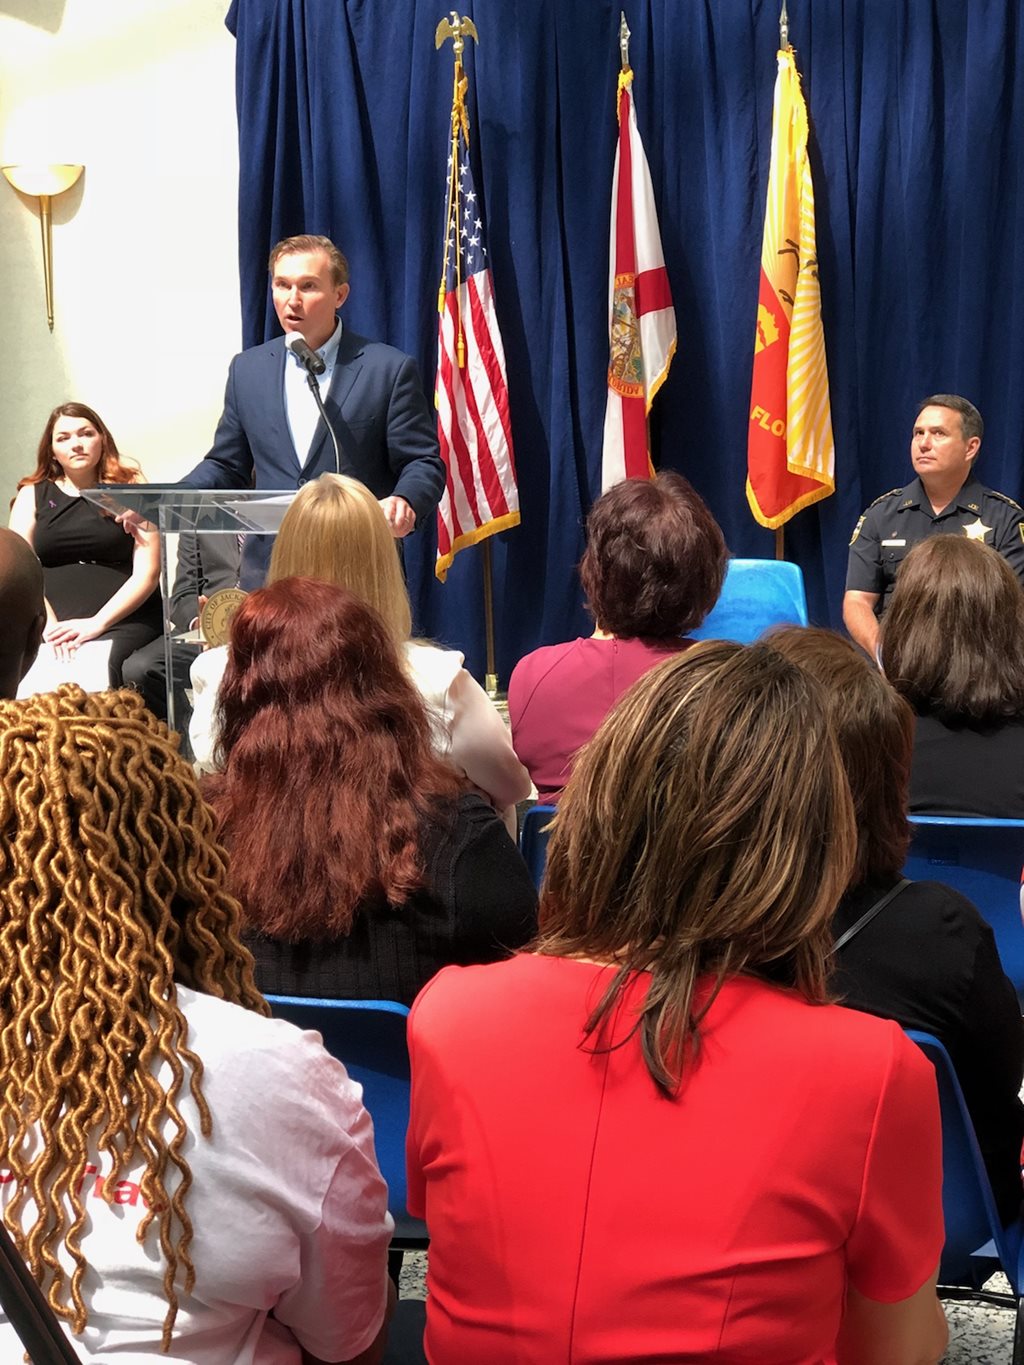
(328, 761)
(707, 829)
(655, 558)
(874, 727)
(111, 896)
(335, 530)
(112, 468)
(953, 634)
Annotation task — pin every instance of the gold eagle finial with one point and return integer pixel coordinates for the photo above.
(457, 27)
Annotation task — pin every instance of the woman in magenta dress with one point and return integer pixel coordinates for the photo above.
(100, 583)
(652, 570)
(652, 1138)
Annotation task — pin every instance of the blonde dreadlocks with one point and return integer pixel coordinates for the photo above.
(110, 892)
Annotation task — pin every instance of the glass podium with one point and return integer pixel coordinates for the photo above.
(197, 512)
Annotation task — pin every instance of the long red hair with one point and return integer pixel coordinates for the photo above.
(328, 767)
(113, 467)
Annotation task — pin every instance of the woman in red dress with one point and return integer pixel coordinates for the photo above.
(653, 1139)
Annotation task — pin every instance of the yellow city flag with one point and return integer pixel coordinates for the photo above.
(790, 450)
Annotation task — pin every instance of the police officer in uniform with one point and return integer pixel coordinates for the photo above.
(944, 499)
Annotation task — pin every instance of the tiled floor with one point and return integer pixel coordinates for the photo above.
(978, 1334)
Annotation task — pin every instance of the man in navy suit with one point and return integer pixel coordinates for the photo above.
(271, 435)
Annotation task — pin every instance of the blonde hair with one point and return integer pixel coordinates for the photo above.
(707, 830)
(111, 892)
(336, 531)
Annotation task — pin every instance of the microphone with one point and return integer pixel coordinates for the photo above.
(300, 347)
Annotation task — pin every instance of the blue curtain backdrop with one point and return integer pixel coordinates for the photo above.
(917, 115)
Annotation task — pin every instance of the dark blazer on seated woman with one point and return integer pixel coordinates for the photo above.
(968, 769)
(930, 961)
(953, 646)
(927, 959)
(361, 863)
(476, 905)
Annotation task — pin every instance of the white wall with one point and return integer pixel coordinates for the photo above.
(145, 246)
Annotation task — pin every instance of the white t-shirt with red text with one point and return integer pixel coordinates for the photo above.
(288, 1209)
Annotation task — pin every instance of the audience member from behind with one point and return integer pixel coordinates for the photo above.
(953, 645)
(361, 867)
(927, 958)
(22, 610)
(652, 570)
(336, 531)
(100, 583)
(151, 1117)
(724, 1165)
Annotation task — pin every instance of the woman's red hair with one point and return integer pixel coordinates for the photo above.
(328, 765)
(112, 467)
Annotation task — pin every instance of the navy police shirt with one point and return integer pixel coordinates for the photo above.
(898, 520)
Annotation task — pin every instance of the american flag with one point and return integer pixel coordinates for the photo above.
(471, 392)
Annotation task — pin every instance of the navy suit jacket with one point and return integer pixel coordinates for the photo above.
(386, 431)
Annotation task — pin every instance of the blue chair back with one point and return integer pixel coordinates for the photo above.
(756, 594)
(533, 840)
(981, 858)
(976, 1242)
(368, 1036)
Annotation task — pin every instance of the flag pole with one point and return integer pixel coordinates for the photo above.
(784, 44)
(491, 675)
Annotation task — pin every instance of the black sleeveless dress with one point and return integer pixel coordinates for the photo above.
(86, 557)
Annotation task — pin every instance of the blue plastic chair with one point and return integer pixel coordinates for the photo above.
(977, 1244)
(533, 840)
(368, 1036)
(981, 858)
(756, 594)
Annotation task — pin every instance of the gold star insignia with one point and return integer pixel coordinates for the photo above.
(977, 530)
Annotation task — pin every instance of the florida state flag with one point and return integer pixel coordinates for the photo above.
(641, 320)
(790, 451)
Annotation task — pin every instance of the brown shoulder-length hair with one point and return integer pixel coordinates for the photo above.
(874, 728)
(707, 830)
(953, 634)
(113, 466)
(328, 765)
(655, 558)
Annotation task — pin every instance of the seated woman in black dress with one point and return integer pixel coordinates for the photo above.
(361, 864)
(953, 645)
(927, 959)
(100, 583)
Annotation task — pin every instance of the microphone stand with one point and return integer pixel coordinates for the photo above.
(314, 389)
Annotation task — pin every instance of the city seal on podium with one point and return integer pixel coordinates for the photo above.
(215, 618)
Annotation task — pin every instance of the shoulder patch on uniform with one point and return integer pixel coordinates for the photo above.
(1003, 498)
(1020, 528)
(856, 529)
(891, 493)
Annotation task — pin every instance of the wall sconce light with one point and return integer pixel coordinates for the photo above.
(43, 182)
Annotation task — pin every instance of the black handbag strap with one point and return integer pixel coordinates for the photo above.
(870, 913)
